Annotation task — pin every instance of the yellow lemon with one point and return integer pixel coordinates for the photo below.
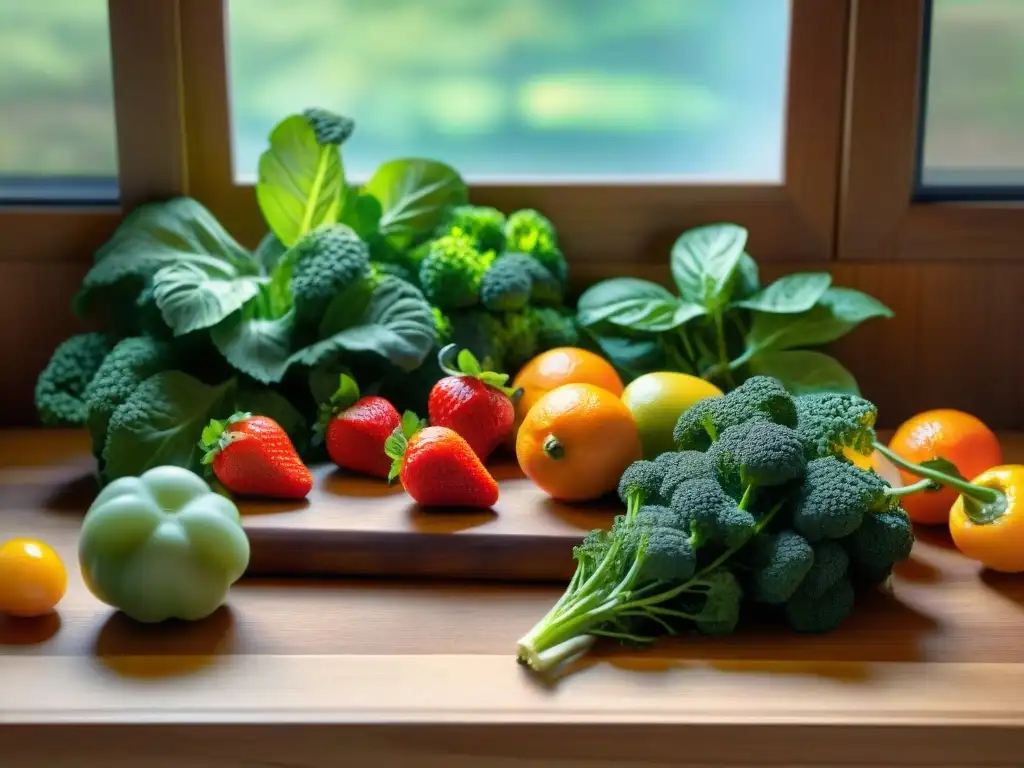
(657, 399)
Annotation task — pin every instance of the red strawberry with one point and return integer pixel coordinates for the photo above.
(356, 429)
(473, 402)
(438, 468)
(253, 456)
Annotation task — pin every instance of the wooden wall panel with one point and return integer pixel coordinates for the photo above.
(953, 342)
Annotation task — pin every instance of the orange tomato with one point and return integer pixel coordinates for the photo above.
(954, 435)
(555, 367)
(32, 578)
(576, 441)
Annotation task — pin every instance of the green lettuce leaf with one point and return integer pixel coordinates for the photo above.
(414, 196)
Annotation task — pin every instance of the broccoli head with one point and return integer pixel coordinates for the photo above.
(485, 226)
(506, 285)
(329, 128)
(518, 337)
(325, 262)
(129, 363)
(680, 467)
(482, 334)
(451, 271)
(830, 565)
(60, 388)
(528, 231)
(719, 613)
(835, 497)
(758, 453)
(884, 539)
(779, 562)
(830, 422)
(715, 516)
(661, 549)
(806, 612)
(655, 515)
(640, 484)
(552, 327)
(701, 424)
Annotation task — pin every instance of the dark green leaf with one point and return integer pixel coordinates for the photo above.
(805, 371)
(192, 297)
(704, 261)
(162, 423)
(791, 294)
(839, 310)
(632, 356)
(300, 181)
(157, 235)
(414, 196)
(254, 346)
(746, 280)
(269, 252)
(607, 298)
(361, 211)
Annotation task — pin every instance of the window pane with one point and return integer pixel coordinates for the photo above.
(974, 124)
(522, 88)
(56, 99)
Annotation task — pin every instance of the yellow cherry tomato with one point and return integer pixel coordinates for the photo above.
(32, 578)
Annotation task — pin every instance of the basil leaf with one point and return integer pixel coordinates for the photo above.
(805, 371)
(192, 297)
(162, 422)
(157, 235)
(704, 261)
(839, 310)
(631, 356)
(791, 294)
(605, 299)
(300, 180)
(414, 196)
(746, 281)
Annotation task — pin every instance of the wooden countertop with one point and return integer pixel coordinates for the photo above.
(932, 674)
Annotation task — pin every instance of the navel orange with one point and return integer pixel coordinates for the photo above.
(576, 441)
(954, 435)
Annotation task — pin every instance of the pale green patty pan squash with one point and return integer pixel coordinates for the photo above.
(162, 546)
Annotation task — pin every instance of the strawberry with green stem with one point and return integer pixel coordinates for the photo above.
(438, 468)
(253, 456)
(355, 429)
(474, 402)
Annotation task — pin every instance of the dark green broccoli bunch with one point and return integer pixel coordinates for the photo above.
(325, 262)
(530, 232)
(515, 280)
(484, 225)
(510, 339)
(60, 388)
(451, 270)
(758, 506)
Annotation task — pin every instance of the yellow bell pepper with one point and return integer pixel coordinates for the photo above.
(991, 530)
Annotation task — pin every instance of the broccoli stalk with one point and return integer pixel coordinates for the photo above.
(600, 603)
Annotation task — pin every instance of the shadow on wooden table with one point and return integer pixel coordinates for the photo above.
(168, 649)
(73, 496)
(30, 631)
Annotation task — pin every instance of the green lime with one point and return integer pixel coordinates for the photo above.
(657, 399)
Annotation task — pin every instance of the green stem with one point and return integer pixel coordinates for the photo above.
(688, 345)
(970, 490)
(747, 493)
(906, 490)
(551, 657)
(723, 353)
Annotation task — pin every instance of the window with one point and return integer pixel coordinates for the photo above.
(974, 97)
(513, 89)
(56, 98)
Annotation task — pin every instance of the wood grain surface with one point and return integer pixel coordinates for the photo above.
(299, 672)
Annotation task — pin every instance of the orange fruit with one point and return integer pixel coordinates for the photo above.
(555, 367)
(954, 435)
(576, 441)
(32, 578)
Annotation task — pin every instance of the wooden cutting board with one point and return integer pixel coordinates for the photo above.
(358, 526)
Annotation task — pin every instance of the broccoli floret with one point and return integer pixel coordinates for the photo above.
(653, 515)
(129, 363)
(758, 453)
(767, 396)
(779, 562)
(701, 424)
(640, 484)
(518, 338)
(820, 613)
(830, 565)
(482, 334)
(680, 467)
(329, 127)
(715, 515)
(552, 327)
(442, 327)
(834, 498)
(484, 225)
(829, 422)
(528, 231)
(506, 284)
(60, 388)
(325, 262)
(884, 539)
(451, 271)
(719, 607)
(663, 553)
